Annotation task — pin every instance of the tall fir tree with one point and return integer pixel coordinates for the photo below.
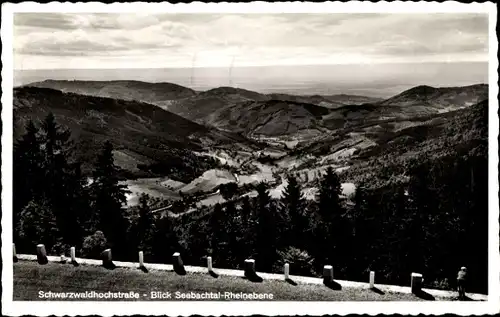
(109, 200)
(27, 171)
(267, 231)
(218, 232)
(334, 234)
(145, 224)
(59, 177)
(292, 206)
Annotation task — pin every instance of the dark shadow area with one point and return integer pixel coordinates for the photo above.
(143, 268)
(63, 261)
(213, 274)
(253, 277)
(75, 263)
(290, 281)
(15, 259)
(378, 291)
(332, 285)
(42, 260)
(179, 270)
(109, 265)
(424, 295)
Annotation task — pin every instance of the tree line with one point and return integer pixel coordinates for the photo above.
(54, 203)
(434, 223)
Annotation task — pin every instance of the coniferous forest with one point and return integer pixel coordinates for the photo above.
(433, 222)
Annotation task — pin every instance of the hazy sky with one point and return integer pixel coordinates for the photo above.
(55, 40)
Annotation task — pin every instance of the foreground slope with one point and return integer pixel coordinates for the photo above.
(148, 139)
(30, 278)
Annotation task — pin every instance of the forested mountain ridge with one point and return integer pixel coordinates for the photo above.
(461, 133)
(148, 139)
(120, 89)
(255, 114)
(442, 99)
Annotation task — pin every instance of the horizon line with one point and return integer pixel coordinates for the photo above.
(257, 66)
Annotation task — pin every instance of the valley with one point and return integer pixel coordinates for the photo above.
(176, 144)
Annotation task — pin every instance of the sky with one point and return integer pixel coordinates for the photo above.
(114, 41)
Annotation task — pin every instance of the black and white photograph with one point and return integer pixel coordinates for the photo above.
(280, 158)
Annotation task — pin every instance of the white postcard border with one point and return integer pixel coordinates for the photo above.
(13, 308)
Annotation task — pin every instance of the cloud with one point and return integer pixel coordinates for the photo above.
(45, 20)
(166, 40)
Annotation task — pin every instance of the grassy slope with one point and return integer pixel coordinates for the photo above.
(30, 278)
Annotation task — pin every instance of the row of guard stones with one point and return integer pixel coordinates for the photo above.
(249, 268)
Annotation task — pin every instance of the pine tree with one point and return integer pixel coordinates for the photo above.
(27, 171)
(246, 210)
(109, 198)
(333, 233)
(145, 224)
(267, 233)
(235, 250)
(59, 178)
(292, 205)
(217, 229)
(360, 218)
(329, 196)
(165, 241)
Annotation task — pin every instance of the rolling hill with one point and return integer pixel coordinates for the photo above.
(380, 153)
(441, 99)
(327, 101)
(254, 114)
(269, 118)
(148, 139)
(120, 89)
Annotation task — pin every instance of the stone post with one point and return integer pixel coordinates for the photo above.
(328, 274)
(287, 271)
(250, 268)
(107, 258)
(209, 263)
(177, 262)
(15, 259)
(41, 254)
(141, 259)
(372, 279)
(416, 282)
(72, 254)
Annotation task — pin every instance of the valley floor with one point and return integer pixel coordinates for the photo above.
(30, 278)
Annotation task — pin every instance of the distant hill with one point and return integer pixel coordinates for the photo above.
(236, 93)
(419, 101)
(252, 113)
(328, 101)
(120, 89)
(352, 99)
(440, 99)
(148, 139)
(269, 118)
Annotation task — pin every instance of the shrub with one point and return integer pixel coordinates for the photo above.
(93, 245)
(301, 263)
